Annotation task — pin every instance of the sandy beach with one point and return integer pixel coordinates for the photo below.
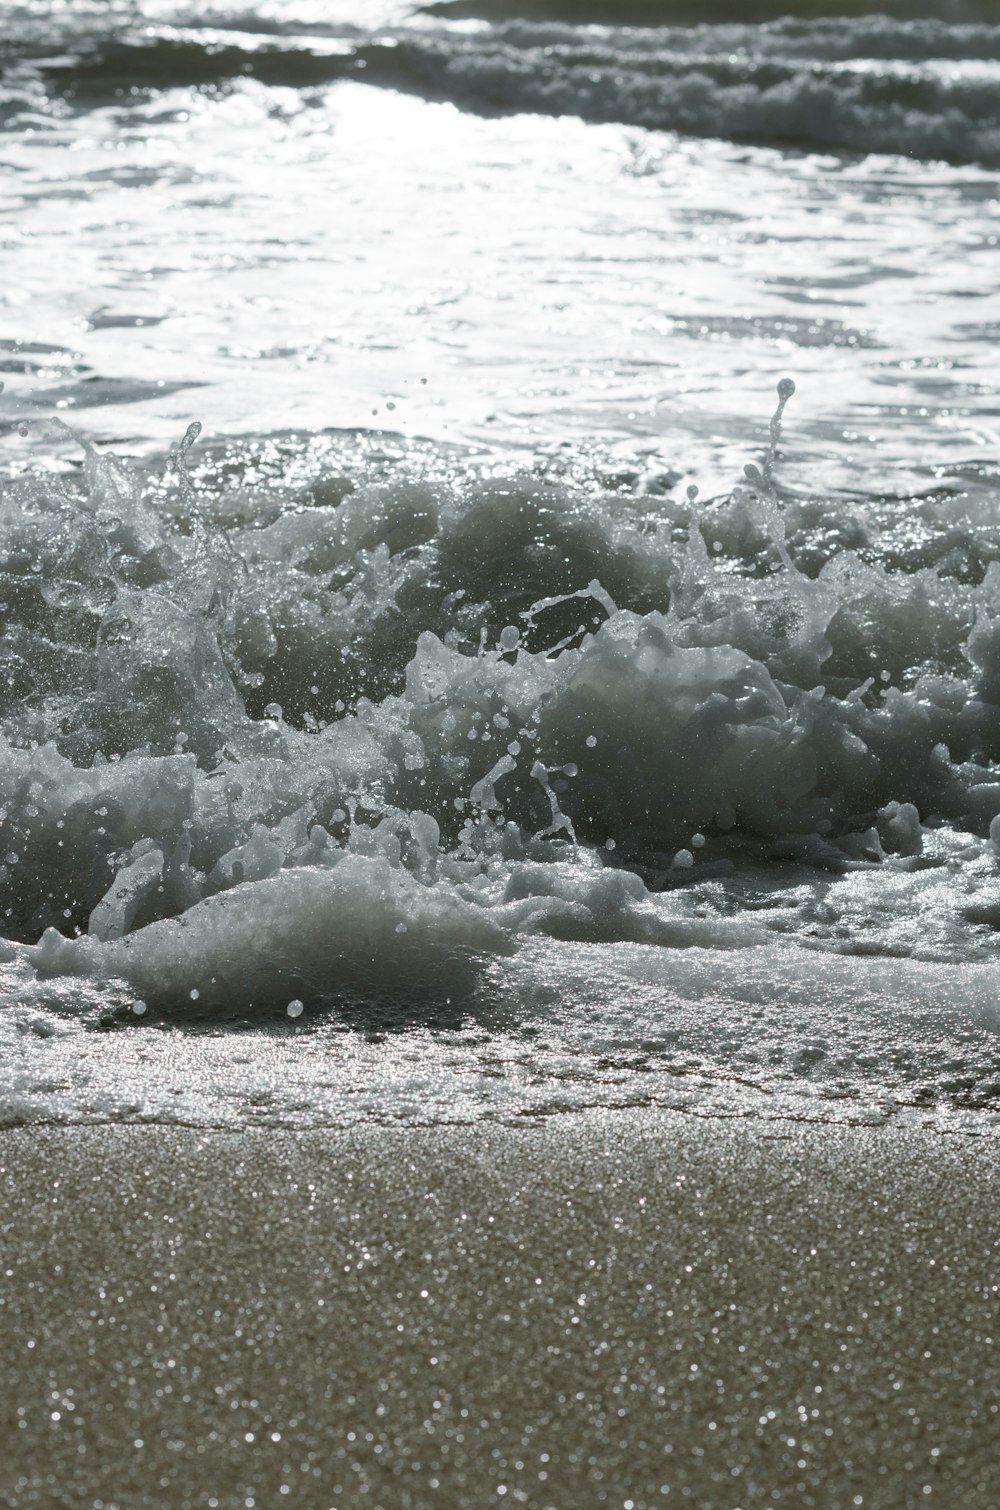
(621, 1309)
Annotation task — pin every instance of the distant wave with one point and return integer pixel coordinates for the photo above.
(686, 12)
(831, 40)
(810, 86)
(917, 111)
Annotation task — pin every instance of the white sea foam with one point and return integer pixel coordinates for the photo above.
(353, 925)
(314, 759)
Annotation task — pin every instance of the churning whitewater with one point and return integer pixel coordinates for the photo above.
(370, 742)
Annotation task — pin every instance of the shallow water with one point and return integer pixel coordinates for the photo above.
(500, 706)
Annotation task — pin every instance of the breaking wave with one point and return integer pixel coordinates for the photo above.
(914, 110)
(918, 87)
(202, 687)
(684, 13)
(339, 723)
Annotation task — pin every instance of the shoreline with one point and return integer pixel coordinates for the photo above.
(612, 1308)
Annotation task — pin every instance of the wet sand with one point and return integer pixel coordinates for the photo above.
(623, 1309)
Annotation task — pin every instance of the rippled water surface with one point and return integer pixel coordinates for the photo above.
(500, 706)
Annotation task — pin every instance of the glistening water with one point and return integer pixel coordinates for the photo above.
(564, 667)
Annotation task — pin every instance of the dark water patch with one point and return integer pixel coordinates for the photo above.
(105, 319)
(94, 392)
(164, 62)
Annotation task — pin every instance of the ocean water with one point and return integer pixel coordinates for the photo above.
(499, 561)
